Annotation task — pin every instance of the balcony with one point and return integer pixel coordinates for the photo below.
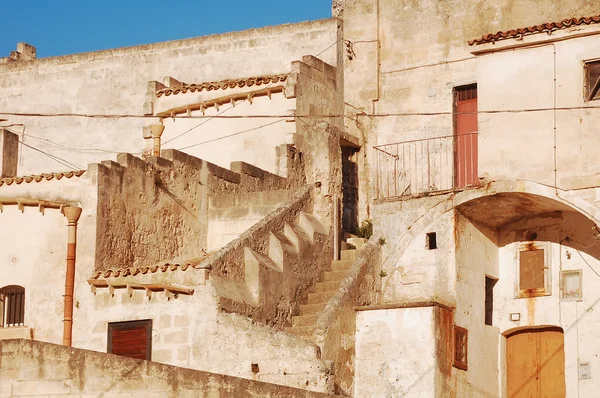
(427, 166)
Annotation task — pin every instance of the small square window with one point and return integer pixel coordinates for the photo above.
(592, 80)
(431, 241)
(533, 276)
(461, 340)
(570, 285)
(130, 339)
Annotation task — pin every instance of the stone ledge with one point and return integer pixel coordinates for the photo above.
(104, 373)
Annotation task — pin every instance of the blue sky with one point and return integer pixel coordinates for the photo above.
(58, 27)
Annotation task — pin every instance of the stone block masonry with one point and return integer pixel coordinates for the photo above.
(32, 368)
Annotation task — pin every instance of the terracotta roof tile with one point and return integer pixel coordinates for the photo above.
(133, 271)
(40, 177)
(545, 27)
(222, 85)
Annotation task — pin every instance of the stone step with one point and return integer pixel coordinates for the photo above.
(311, 225)
(349, 254)
(323, 287)
(319, 298)
(358, 243)
(302, 331)
(304, 320)
(334, 276)
(312, 309)
(341, 265)
(296, 237)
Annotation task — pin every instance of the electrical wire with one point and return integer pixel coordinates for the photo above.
(57, 159)
(230, 135)
(196, 126)
(588, 264)
(273, 116)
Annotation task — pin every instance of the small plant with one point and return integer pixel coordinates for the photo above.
(365, 230)
(381, 241)
(382, 274)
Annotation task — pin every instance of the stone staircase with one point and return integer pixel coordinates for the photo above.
(303, 325)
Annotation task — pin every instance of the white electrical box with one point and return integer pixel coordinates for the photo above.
(585, 370)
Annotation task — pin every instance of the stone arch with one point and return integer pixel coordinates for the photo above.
(545, 196)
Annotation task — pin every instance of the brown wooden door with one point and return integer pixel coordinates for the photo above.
(465, 140)
(535, 362)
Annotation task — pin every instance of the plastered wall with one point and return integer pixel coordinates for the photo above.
(34, 246)
(505, 138)
(395, 353)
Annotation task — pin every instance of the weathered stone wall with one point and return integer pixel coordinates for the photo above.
(115, 82)
(31, 368)
(158, 210)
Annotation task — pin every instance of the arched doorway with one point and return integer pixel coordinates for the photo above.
(535, 361)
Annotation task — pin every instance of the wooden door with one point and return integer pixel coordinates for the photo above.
(465, 140)
(535, 362)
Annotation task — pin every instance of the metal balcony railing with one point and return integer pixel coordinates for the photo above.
(426, 166)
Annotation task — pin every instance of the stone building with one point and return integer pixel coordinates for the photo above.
(211, 226)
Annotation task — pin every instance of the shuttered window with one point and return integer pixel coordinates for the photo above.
(592, 80)
(534, 279)
(12, 306)
(131, 339)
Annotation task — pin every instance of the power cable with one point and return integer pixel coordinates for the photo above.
(588, 264)
(230, 135)
(57, 159)
(273, 116)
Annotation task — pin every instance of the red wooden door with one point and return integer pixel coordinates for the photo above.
(465, 140)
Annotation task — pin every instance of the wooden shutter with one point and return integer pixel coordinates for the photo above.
(531, 270)
(13, 305)
(131, 339)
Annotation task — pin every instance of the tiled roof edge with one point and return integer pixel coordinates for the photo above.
(222, 85)
(133, 271)
(40, 177)
(545, 27)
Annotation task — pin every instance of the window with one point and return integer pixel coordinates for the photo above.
(489, 299)
(570, 285)
(461, 336)
(12, 306)
(533, 275)
(131, 339)
(592, 80)
(431, 241)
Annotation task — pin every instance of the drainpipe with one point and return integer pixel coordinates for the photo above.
(157, 130)
(72, 214)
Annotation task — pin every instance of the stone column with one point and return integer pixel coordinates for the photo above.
(9, 153)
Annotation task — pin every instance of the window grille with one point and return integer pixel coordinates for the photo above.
(12, 306)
